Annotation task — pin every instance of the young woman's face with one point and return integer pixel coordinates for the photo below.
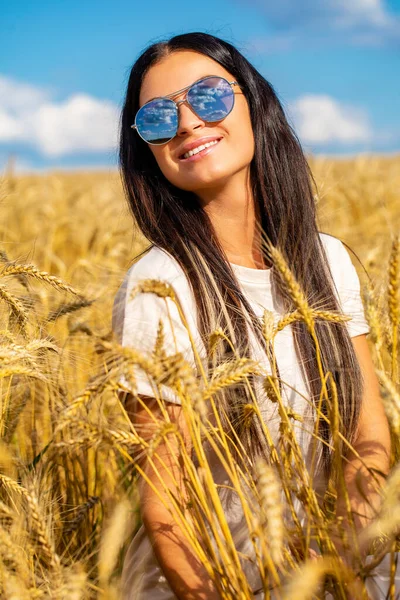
(235, 150)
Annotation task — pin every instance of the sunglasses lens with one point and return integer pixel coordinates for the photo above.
(212, 98)
(157, 121)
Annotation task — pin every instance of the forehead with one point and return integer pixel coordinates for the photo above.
(176, 71)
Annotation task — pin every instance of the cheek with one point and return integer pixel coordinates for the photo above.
(248, 137)
(244, 144)
(249, 134)
(164, 164)
(171, 170)
(241, 131)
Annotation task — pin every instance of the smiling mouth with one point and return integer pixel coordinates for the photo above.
(181, 157)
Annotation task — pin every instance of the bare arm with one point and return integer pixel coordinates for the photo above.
(373, 443)
(186, 575)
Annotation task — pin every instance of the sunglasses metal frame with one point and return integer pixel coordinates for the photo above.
(183, 101)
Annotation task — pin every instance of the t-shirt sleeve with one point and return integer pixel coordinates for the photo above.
(349, 289)
(135, 322)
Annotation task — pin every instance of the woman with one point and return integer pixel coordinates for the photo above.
(213, 173)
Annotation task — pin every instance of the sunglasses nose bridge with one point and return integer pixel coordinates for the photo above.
(184, 101)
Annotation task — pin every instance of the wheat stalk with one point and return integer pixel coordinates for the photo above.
(39, 526)
(268, 325)
(230, 372)
(81, 512)
(155, 286)
(8, 335)
(323, 315)
(112, 540)
(15, 306)
(213, 340)
(271, 387)
(34, 272)
(82, 399)
(75, 583)
(292, 286)
(394, 301)
(158, 351)
(305, 585)
(41, 536)
(391, 401)
(271, 515)
(66, 309)
(393, 285)
(21, 370)
(373, 317)
(11, 553)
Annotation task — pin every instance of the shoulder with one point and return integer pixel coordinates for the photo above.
(144, 320)
(333, 246)
(157, 264)
(340, 263)
(347, 283)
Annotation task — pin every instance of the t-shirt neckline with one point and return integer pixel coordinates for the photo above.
(249, 275)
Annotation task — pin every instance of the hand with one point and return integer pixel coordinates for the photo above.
(355, 590)
(364, 514)
(296, 546)
(313, 555)
(353, 553)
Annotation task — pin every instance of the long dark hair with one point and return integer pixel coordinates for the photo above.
(282, 186)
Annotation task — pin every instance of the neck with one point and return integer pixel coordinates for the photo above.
(235, 219)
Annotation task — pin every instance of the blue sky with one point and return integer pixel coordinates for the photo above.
(334, 64)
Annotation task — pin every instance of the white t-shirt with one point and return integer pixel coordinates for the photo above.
(135, 322)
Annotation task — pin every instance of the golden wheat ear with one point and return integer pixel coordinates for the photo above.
(32, 271)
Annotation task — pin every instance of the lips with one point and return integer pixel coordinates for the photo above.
(197, 143)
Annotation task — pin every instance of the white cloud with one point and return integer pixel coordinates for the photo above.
(81, 123)
(15, 95)
(288, 13)
(11, 128)
(371, 12)
(311, 22)
(25, 167)
(320, 119)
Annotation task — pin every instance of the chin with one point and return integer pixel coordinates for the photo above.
(209, 180)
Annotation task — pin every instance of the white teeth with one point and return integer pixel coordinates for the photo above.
(200, 148)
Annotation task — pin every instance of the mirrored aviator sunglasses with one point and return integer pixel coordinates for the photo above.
(211, 98)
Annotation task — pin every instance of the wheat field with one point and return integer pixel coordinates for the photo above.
(68, 499)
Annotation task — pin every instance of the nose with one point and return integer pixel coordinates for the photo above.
(187, 119)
